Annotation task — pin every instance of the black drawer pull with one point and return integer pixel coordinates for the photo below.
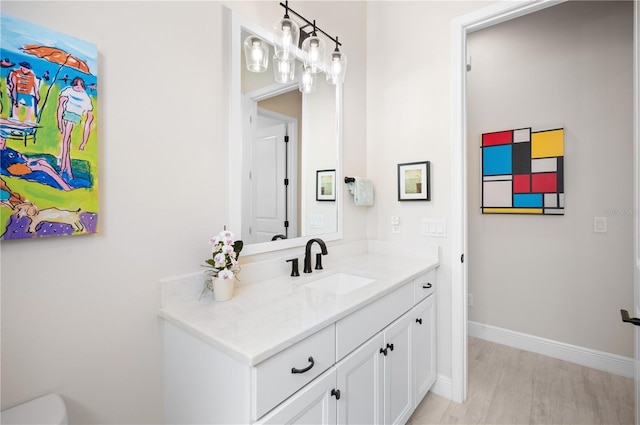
(383, 351)
(427, 286)
(306, 369)
(390, 347)
(335, 393)
(419, 321)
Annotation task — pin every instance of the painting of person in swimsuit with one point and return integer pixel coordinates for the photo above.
(49, 112)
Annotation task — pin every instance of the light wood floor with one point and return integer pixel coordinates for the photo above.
(511, 386)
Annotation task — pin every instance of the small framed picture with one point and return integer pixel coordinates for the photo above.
(326, 185)
(414, 181)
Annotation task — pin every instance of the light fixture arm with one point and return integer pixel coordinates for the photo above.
(288, 9)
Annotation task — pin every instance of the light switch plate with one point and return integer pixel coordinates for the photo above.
(435, 228)
(600, 224)
(395, 224)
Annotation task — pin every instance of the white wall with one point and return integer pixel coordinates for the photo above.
(553, 277)
(79, 314)
(409, 119)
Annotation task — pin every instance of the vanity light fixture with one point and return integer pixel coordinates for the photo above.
(307, 81)
(284, 69)
(313, 47)
(337, 66)
(287, 36)
(256, 53)
(287, 41)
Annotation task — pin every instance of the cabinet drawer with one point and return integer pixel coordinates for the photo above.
(361, 325)
(424, 285)
(274, 379)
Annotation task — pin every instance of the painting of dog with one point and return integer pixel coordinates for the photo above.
(49, 215)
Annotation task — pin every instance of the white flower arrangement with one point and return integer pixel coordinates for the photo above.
(224, 255)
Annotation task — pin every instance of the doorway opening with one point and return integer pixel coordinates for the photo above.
(462, 26)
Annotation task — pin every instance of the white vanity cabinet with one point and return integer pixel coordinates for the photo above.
(376, 380)
(360, 380)
(314, 404)
(371, 366)
(424, 347)
(398, 368)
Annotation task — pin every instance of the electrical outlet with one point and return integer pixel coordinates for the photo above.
(470, 300)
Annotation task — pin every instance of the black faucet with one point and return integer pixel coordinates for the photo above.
(307, 254)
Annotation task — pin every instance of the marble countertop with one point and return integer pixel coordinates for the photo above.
(267, 317)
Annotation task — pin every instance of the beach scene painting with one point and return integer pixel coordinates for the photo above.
(48, 132)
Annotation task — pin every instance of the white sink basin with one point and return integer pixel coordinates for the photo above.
(340, 283)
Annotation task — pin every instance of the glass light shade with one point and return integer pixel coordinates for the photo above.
(336, 67)
(287, 36)
(284, 69)
(314, 50)
(256, 53)
(307, 81)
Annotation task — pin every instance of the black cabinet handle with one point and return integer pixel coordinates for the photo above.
(419, 321)
(626, 318)
(427, 286)
(306, 369)
(383, 351)
(390, 347)
(335, 393)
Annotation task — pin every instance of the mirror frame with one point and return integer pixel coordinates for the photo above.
(236, 25)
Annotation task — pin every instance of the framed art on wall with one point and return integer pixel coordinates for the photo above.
(414, 181)
(523, 172)
(48, 132)
(326, 185)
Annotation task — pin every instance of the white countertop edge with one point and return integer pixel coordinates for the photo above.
(179, 293)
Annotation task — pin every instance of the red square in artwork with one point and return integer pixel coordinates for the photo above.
(498, 138)
(522, 183)
(544, 182)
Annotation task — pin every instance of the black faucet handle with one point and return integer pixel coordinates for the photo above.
(294, 267)
(319, 261)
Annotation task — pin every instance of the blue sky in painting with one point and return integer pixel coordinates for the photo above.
(16, 33)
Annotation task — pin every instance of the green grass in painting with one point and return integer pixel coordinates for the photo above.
(48, 144)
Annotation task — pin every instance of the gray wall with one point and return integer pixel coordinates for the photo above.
(567, 66)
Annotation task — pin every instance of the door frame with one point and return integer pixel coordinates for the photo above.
(636, 190)
(461, 26)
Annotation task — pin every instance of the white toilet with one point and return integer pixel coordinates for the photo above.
(46, 410)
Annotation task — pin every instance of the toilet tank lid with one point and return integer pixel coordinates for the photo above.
(49, 409)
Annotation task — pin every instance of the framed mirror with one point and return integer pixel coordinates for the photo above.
(278, 140)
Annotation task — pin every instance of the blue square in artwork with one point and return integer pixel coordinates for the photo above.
(496, 160)
(528, 200)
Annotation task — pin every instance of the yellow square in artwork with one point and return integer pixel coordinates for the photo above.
(547, 144)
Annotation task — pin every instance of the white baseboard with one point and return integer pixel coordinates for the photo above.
(607, 362)
(443, 387)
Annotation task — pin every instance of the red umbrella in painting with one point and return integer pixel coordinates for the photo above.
(57, 56)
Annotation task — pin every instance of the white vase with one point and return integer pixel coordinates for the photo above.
(223, 288)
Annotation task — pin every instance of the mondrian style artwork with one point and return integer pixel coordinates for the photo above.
(523, 172)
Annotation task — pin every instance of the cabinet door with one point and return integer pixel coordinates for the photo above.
(313, 404)
(424, 347)
(360, 381)
(398, 387)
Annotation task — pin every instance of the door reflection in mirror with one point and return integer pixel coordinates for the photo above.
(287, 136)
